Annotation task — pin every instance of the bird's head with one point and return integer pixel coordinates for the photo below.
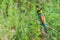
(39, 10)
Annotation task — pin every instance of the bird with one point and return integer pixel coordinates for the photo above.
(42, 19)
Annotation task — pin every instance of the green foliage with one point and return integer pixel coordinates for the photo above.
(18, 19)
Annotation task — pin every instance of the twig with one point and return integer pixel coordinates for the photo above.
(53, 29)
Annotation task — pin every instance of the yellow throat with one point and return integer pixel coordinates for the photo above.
(40, 11)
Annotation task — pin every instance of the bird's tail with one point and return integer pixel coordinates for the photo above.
(44, 26)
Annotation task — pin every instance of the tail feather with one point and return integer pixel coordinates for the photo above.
(44, 26)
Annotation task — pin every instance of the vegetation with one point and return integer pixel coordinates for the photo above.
(19, 21)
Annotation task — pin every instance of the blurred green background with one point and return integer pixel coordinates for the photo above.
(19, 21)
